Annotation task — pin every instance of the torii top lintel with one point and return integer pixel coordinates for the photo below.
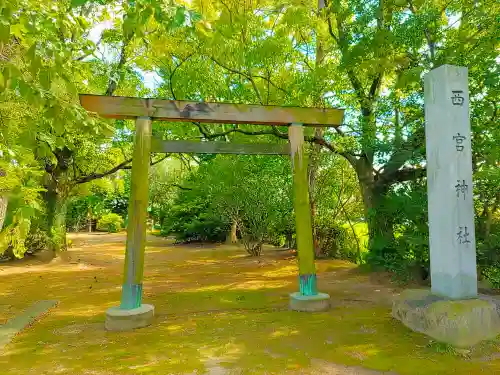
(176, 110)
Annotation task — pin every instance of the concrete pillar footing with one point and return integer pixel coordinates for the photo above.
(318, 302)
(127, 320)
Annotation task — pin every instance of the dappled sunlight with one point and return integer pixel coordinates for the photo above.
(283, 333)
(363, 351)
(84, 311)
(172, 328)
(333, 265)
(216, 310)
(45, 269)
(260, 284)
(227, 352)
(285, 271)
(237, 256)
(201, 262)
(209, 288)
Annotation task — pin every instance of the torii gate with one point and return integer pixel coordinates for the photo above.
(132, 313)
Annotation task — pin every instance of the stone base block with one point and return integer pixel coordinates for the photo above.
(461, 323)
(127, 320)
(318, 302)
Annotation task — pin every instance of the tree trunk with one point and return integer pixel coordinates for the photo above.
(3, 210)
(56, 218)
(253, 248)
(380, 223)
(89, 218)
(3, 203)
(232, 237)
(234, 228)
(57, 191)
(289, 242)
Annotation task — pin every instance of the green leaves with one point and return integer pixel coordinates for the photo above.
(45, 78)
(180, 17)
(78, 3)
(4, 31)
(410, 79)
(2, 81)
(130, 25)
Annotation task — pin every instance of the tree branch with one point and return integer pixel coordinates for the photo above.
(404, 152)
(275, 132)
(250, 78)
(180, 187)
(330, 27)
(95, 176)
(122, 166)
(430, 43)
(375, 86)
(151, 163)
(113, 84)
(80, 58)
(171, 76)
(403, 175)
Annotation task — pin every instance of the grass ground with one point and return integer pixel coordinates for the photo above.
(217, 312)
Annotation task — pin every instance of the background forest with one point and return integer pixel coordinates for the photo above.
(62, 169)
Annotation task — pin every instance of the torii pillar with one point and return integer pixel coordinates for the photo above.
(308, 298)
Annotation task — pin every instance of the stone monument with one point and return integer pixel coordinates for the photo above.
(452, 311)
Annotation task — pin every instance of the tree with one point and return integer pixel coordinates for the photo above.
(46, 59)
(252, 191)
(374, 57)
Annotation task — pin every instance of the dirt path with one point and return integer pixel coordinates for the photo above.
(217, 312)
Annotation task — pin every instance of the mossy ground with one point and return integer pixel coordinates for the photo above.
(217, 312)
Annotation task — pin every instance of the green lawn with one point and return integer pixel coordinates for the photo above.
(217, 312)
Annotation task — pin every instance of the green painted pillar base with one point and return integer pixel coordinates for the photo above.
(131, 296)
(308, 285)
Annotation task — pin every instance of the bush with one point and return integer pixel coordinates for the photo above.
(194, 225)
(403, 249)
(37, 240)
(488, 256)
(111, 223)
(337, 241)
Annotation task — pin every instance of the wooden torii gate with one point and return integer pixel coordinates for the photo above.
(132, 313)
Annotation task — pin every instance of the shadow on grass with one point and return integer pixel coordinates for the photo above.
(245, 330)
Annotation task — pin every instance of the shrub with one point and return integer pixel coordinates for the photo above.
(337, 241)
(37, 239)
(111, 223)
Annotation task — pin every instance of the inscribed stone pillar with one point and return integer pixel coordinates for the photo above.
(449, 183)
(137, 216)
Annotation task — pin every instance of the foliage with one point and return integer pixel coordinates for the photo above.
(190, 220)
(91, 201)
(408, 255)
(254, 192)
(111, 223)
(338, 208)
(165, 179)
(20, 187)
